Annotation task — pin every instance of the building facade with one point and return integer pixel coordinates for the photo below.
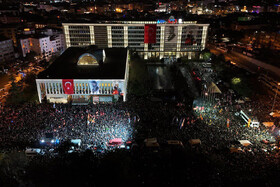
(6, 50)
(10, 31)
(82, 75)
(173, 37)
(44, 45)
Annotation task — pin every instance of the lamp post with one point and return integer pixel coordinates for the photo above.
(275, 97)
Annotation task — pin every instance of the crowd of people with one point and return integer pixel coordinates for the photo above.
(137, 119)
(95, 125)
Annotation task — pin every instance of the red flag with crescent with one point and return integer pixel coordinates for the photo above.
(68, 86)
(150, 34)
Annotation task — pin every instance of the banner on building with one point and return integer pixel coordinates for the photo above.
(171, 33)
(190, 35)
(118, 88)
(150, 33)
(170, 38)
(68, 86)
(98, 87)
(94, 87)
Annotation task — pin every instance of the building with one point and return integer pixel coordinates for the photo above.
(10, 31)
(161, 38)
(6, 49)
(48, 43)
(9, 19)
(84, 75)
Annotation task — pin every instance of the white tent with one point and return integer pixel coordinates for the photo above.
(151, 140)
(245, 142)
(174, 142)
(194, 141)
(76, 141)
(32, 151)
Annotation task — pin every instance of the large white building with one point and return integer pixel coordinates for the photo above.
(85, 75)
(6, 49)
(45, 44)
(173, 37)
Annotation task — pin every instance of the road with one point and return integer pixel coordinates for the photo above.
(245, 62)
(235, 60)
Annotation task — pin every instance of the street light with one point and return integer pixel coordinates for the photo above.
(278, 84)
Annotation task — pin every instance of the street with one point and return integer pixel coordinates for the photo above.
(250, 64)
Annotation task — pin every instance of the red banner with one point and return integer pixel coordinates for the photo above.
(68, 86)
(150, 36)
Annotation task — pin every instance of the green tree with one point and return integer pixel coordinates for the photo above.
(30, 56)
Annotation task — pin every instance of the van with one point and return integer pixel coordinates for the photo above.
(31, 152)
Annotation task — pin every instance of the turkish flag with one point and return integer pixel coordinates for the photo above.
(68, 86)
(150, 34)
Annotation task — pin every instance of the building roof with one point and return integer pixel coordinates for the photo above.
(3, 38)
(65, 66)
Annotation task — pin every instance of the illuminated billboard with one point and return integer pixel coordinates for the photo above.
(106, 87)
(170, 38)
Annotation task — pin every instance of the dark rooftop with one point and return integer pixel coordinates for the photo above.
(65, 66)
(3, 38)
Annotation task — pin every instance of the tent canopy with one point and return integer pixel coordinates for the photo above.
(275, 114)
(194, 141)
(152, 144)
(213, 88)
(268, 124)
(245, 142)
(151, 140)
(235, 150)
(174, 142)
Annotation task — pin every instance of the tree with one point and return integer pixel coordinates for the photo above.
(206, 55)
(30, 56)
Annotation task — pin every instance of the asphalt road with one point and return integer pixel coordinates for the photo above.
(235, 60)
(250, 64)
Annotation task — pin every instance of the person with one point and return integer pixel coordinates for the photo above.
(117, 90)
(170, 33)
(94, 87)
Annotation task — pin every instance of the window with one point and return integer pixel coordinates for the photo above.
(87, 59)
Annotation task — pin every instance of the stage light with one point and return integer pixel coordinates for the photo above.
(52, 141)
(42, 141)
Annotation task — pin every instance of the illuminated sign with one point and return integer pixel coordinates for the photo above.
(161, 21)
(171, 20)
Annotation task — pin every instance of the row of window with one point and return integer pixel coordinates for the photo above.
(79, 39)
(79, 27)
(79, 43)
(79, 32)
(79, 36)
(117, 32)
(116, 35)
